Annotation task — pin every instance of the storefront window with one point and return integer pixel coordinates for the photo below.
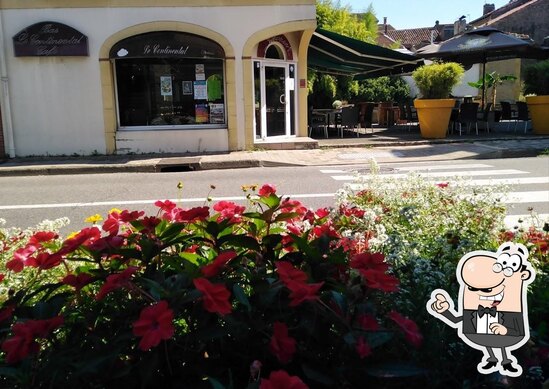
(169, 79)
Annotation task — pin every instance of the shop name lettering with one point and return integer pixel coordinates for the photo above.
(47, 44)
(157, 49)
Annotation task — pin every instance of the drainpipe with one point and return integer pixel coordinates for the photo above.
(5, 94)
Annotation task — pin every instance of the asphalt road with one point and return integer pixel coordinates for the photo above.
(25, 201)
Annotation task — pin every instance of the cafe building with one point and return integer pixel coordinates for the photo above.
(136, 76)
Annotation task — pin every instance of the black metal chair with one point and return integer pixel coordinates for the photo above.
(486, 115)
(318, 121)
(468, 115)
(522, 115)
(348, 119)
(366, 117)
(507, 113)
(411, 115)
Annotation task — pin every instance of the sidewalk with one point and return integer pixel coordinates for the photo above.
(385, 146)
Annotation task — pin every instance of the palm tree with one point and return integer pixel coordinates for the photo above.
(492, 80)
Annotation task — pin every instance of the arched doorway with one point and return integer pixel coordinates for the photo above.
(274, 89)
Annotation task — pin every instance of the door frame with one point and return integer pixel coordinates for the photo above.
(287, 102)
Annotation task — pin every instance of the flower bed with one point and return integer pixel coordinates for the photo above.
(266, 295)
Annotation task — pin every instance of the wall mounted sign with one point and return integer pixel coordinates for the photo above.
(281, 40)
(50, 39)
(166, 44)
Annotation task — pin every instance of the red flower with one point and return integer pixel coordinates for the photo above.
(296, 206)
(2, 277)
(193, 214)
(325, 229)
(380, 280)
(215, 297)
(20, 258)
(282, 380)
(23, 343)
(115, 220)
(115, 281)
(364, 261)
(442, 184)
(300, 292)
(6, 313)
(229, 211)
(41, 237)
(322, 212)
(288, 273)
(166, 206)
(86, 236)
(155, 323)
(363, 348)
(212, 269)
(368, 322)
(410, 328)
(282, 346)
(77, 281)
(45, 261)
(266, 190)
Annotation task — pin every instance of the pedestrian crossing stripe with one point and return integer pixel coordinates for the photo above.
(435, 174)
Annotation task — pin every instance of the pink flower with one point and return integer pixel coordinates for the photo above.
(215, 296)
(86, 236)
(41, 237)
(363, 348)
(229, 211)
(155, 324)
(282, 380)
(442, 184)
(266, 190)
(212, 269)
(45, 261)
(281, 345)
(166, 206)
(409, 327)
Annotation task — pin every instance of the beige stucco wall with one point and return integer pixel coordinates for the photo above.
(66, 105)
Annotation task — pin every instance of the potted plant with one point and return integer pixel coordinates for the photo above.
(435, 82)
(536, 82)
(492, 80)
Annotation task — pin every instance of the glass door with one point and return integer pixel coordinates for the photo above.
(274, 99)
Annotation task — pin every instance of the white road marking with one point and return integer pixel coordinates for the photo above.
(439, 174)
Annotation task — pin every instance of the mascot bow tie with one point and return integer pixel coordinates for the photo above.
(482, 311)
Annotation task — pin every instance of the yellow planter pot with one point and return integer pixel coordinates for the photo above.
(539, 112)
(434, 116)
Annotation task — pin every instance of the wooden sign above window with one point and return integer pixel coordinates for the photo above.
(166, 44)
(50, 39)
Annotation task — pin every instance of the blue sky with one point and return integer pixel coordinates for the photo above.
(422, 13)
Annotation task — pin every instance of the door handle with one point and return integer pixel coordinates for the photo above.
(282, 99)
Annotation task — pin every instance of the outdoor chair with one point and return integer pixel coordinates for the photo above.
(468, 116)
(366, 117)
(411, 115)
(486, 116)
(349, 119)
(317, 121)
(507, 113)
(522, 115)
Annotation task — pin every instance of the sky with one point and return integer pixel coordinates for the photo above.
(422, 13)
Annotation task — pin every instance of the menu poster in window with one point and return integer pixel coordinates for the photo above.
(217, 113)
(201, 113)
(166, 85)
(187, 87)
(199, 72)
(200, 90)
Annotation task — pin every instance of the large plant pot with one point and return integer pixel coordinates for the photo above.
(539, 112)
(434, 116)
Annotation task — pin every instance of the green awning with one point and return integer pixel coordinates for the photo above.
(340, 55)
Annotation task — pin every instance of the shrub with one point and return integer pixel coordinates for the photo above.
(436, 81)
(207, 296)
(536, 78)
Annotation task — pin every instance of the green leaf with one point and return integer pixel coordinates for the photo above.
(241, 296)
(272, 201)
(240, 241)
(215, 383)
